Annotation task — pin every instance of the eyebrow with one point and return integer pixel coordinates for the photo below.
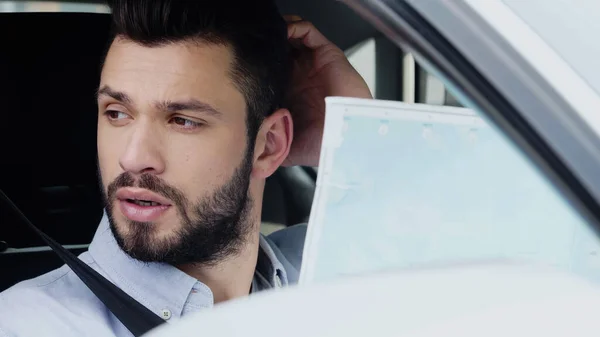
(167, 106)
(117, 95)
(189, 105)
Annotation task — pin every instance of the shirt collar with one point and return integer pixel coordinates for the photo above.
(160, 286)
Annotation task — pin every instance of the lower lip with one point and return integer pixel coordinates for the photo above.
(142, 213)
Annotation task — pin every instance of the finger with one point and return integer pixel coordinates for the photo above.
(292, 18)
(307, 33)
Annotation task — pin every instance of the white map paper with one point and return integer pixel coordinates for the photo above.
(404, 185)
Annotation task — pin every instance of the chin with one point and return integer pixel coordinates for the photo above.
(144, 241)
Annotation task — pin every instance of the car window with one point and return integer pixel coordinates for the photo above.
(52, 6)
(530, 218)
(419, 86)
(570, 27)
(431, 90)
(485, 198)
(362, 58)
(426, 88)
(416, 185)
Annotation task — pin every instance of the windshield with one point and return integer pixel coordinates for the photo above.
(570, 27)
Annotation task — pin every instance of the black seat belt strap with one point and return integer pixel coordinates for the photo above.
(134, 316)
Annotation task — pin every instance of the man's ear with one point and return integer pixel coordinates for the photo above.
(273, 143)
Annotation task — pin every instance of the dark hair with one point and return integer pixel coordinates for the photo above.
(254, 29)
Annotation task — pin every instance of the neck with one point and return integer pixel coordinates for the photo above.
(231, 278)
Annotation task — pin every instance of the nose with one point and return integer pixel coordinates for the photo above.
(142, 151)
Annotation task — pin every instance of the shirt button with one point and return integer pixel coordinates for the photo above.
(166, 314)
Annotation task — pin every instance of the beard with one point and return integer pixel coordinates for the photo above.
(210, 230)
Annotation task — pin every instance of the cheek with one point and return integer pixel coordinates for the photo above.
(108, 154)
(204, 164)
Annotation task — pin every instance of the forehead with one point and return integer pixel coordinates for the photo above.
(173, 71)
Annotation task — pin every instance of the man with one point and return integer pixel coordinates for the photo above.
(195, 112)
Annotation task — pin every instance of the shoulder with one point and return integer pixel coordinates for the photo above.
(49, 284)
(290, 240)
(34, 291)
(53, 302)
(290, 243)
(38, 299)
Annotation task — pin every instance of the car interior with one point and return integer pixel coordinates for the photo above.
(50, 62)
(50, 65)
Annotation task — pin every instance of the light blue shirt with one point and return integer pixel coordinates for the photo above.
(59, 304)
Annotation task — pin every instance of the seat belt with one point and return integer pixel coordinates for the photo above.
(134, 316)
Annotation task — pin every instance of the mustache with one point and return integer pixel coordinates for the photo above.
(147, 181)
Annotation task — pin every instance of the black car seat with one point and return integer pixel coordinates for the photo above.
(49, 72)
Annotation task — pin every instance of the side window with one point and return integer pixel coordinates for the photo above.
(416, 85)
(362, 58)
(435, 183)
(426, 88)
(431, 90)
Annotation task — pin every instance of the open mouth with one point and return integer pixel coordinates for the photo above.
(144, 203)
(142, 210)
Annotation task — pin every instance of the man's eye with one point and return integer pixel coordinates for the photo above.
(116, 115)
(185, 123)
